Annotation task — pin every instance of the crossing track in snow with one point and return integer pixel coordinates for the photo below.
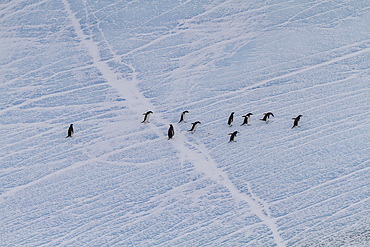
(101, 65)
(198, 157)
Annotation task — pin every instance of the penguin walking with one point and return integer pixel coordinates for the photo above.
(231, 119)
(70, 131)
(296, 121)
(147, 116)
(246, 119)
(183, 115)
(194, 126)
(267, 116)
(232, 136)
(171, 132)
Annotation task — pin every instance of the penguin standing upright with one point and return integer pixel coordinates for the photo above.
(233, 136)
(70, 131)
(246, 119)
(267, 116)
(183, 115)
(171, 132)
(296, 121)
(231, 119)
(147, 116)
(194, 126)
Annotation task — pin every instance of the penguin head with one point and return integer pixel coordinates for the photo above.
(185, 112)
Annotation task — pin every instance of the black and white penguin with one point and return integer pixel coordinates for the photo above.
(171, 132)
(246, 119)
(194, 127)
(70, 131)
(231, 119)
(267, 116)
(183, 115)
(296, 121)
(147, 116)
(233, 136)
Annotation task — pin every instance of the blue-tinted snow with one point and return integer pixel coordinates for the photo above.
(101, 64)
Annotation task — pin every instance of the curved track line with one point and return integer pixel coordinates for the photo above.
(235, 94)
(327, 219)
(197, 154)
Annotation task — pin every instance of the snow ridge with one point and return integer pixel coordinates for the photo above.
(101, 64)
(196, 153)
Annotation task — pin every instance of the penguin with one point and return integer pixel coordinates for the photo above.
(231, 119)
(147, 116)
(171, 132)
(182, 118)
(296, 121)
(233, 136)
(194, 127)
(267, 116)
(246, 119)
(70, 131)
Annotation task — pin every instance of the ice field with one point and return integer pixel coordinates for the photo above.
(101, 64)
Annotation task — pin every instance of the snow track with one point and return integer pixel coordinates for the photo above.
(198, 156)
(120, 182)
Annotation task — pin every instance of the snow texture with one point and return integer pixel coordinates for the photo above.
(101, 64)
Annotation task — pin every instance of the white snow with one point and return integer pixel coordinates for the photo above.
(100, 64)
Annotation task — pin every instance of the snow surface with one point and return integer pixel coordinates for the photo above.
(100, 64)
